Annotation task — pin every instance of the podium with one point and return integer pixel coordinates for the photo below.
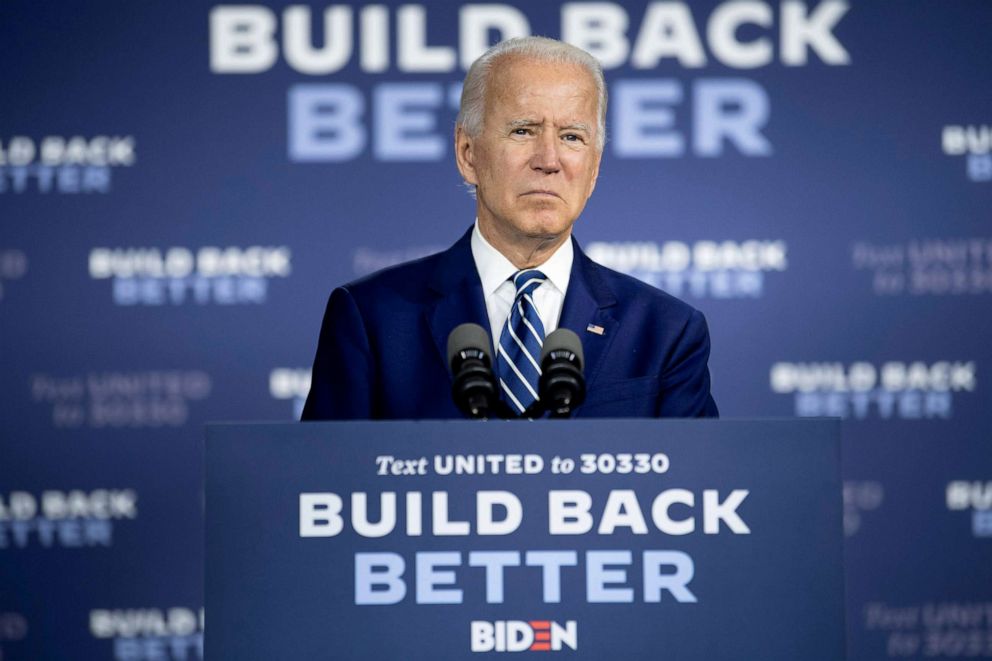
(688, 540)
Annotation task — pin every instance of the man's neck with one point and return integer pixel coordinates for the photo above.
(524, 252)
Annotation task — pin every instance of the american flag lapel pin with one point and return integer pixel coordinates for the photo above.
(593, 328)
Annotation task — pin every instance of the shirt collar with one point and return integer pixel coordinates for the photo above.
(495, 269)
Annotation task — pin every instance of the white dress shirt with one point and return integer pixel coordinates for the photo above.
(495, 271)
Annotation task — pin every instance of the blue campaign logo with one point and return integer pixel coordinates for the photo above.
(387, 578)
(406, 120)
(57, 164)
(67, 519)
(534, 635)
(908, 390)
(700, 270)
(209, 275)
(327, 121)
(139, 634)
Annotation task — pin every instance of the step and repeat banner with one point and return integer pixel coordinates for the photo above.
(182, 185)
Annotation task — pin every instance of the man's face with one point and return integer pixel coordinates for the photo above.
(535, 161)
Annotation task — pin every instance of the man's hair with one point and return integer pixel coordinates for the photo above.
(473, 104)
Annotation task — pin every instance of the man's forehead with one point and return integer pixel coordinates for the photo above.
(522, 83)
(524, 69)
(519, 113)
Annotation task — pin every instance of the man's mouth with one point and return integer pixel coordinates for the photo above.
(542, 192)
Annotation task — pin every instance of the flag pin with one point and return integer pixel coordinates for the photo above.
(593, 328)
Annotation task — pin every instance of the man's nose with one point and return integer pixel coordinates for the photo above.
(546, 156)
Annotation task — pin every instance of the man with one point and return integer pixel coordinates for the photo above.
(529, 138)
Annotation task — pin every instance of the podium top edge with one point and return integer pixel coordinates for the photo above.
(593, 421)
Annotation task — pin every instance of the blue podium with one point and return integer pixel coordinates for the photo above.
(603, 539)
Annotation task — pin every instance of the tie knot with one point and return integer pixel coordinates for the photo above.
(527, 281)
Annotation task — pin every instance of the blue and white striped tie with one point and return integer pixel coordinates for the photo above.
(520, 344)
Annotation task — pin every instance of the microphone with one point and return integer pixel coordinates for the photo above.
(562, 385)
(474, 387)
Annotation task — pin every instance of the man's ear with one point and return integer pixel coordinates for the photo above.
(465, 156)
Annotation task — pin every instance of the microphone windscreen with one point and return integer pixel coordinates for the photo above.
(563, 339)
(468, 336)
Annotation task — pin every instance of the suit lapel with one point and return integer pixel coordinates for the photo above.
(588, 304)
(459, 298)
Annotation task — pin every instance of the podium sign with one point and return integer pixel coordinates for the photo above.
(626, 539)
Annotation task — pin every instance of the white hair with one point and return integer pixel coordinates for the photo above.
(473, 103)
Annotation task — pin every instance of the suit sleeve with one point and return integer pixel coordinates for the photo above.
(342, 380)
(685, 384)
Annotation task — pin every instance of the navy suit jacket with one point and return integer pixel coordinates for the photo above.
(383, 343)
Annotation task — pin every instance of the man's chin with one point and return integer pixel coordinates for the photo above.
(530, 225)
(546, 229)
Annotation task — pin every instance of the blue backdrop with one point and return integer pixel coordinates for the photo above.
(181, 185)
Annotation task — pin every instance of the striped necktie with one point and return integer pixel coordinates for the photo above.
(520, 344)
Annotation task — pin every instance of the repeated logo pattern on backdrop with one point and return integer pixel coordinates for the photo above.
(178, 201)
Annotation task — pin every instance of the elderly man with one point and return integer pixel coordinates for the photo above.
(529, 139)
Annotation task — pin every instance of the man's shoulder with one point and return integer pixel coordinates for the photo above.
(632, 293)
(385, 295)
(403, 277)
(412, 280)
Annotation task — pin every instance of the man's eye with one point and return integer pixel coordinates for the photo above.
(521, 131)
(572, 137)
